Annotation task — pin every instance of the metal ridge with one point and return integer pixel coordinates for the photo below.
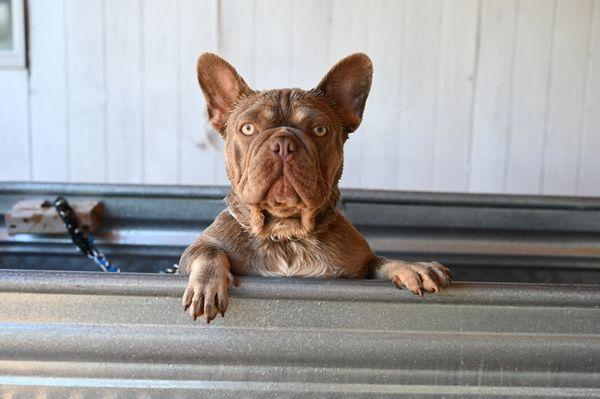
(156, 285)
(298, 347)
(352, 195)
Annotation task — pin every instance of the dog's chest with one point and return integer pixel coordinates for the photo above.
(306, 258)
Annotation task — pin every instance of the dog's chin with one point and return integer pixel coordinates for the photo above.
(279, 227)
(278, 211)
(282, 197)
(283, 212)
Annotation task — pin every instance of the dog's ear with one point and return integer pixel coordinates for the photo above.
(222, 87)
(347, 84)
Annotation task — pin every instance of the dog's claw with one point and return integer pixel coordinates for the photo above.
(206, 295)
(420, 277)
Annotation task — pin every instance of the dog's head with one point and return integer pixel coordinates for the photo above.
(284, 148)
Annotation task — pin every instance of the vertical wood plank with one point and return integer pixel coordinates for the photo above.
(566, 96)
(529, 96)
(237, 45)
(48, 101)
(419, 95)
(309, 42)
(349, 35)
(381, 120)
(492, 96)
(86, 90)
(197, 159)
(236, 36)
(15, 163)
(457, 74)
(273, 44)
(123, 26)
(589, 164)
(160, 91)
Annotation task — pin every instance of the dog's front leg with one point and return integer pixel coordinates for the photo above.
(415, 276)
(210, 278)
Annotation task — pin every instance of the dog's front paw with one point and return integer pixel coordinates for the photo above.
(206, 292)
(419, 276)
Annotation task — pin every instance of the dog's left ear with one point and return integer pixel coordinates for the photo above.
(222, 87)
(347, 84)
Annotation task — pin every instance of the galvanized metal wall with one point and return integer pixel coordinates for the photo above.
(103, 335)
(125, 336)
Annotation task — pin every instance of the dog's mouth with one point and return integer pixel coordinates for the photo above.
(272, 183)
(272, 216)
(282, 194)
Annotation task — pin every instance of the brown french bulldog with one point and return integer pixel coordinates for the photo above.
(284, 157)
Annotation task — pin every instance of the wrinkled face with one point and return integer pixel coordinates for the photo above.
(284, 148)
(284, 151)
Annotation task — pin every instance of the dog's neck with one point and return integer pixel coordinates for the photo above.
(264, 225)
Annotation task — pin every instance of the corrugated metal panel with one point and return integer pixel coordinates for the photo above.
(483, 237)
(97, 335)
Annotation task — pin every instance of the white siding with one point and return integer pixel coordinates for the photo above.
(568, 78)
(86, 90)
(124, 150)
(14, 127)
(50, 145)
(468, 95)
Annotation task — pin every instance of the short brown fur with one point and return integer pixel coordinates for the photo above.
(284, 158)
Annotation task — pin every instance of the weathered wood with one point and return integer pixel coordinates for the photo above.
(382, 134)
(491, 104)
(50, 145)
(124, 130)
(589, 163)
(416, 137)
(348, 34)
(566, 97)
(86, 106)
(15, 161)
(533, 48)
(160, 36)
(197, 157)
(458, 63)
(37, 216)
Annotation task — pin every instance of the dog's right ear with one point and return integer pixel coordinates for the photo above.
(222, 88)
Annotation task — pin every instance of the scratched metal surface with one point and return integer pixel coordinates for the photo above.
(99, 335)
(482, 237)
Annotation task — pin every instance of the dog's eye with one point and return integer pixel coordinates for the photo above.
(320, 130)
(248, 129)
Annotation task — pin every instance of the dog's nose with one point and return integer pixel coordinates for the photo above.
(283, 146)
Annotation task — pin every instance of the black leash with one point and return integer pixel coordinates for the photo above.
(84, 240)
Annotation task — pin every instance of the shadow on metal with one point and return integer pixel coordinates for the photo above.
(482, 237)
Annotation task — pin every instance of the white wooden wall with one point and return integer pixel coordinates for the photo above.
(468, 95)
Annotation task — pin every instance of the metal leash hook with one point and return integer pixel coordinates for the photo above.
(83, 240)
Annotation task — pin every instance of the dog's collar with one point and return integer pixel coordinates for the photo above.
(232, 214)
